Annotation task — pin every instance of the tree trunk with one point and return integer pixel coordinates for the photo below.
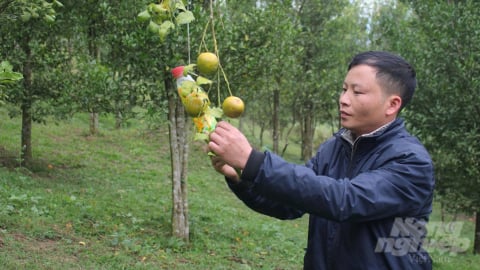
(252, 127)
(93, 123)
(118, 105)
(26, 155)
(118, 120)
(276, 120)
(476, 241)
(308, 130)
(26, 107)
(287, 136)
(262, 129)
(94, 52)
(179, 158)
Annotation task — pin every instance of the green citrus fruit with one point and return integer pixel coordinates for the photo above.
(207, 63)
(233, 106)
(196, 103)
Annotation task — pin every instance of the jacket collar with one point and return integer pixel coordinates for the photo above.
(347, 135)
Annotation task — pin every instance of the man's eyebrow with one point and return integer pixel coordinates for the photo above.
(353, 85)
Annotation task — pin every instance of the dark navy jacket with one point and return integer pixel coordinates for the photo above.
(368, 200)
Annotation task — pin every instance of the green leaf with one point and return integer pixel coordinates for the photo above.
(216, 112)
(58, 3)
(202, 81)
(49, 18)
(200, 137)
(189, 69)
(158, 8)
(153, 27)
(5, 66)
(185, 17)
(180, 6)
(10, 77)
(165, 29)
(7, 75)
(143, 16)
(25, 17)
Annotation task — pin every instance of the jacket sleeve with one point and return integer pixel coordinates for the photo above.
(401, 186)
(247, 193)
(264, 205)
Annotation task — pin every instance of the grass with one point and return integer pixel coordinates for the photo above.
(103, 202)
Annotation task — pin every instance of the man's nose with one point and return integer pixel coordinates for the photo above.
(344, 99)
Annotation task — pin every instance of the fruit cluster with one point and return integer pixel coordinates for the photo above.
(196, 100)
(207, 64)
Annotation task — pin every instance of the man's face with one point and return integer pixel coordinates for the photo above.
(364, 106)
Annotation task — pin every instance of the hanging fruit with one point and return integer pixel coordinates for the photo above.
(196, 103)
(233, 107)
(207, 63)
(161, 18)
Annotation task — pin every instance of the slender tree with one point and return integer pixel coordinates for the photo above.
(331, 32)
(26, 30)
(169, 31)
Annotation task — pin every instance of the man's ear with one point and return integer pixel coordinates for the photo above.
(394, 103)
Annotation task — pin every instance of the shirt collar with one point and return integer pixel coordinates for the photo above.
(348, 135)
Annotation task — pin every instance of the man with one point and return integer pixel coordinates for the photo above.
(369, 188)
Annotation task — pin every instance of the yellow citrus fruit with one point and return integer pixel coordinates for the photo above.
(207, 63)
(196, 103)
(233, 106)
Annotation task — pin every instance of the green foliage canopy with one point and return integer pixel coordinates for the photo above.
(441, 41)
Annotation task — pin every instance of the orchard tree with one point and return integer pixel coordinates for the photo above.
(436, 37)
(27, 37)
(123, 40)
(449, 69)
(259, 42)
(243, 42)
(165, 21)
(105, 39)
(93, 77)
(278, 63)
(331, 33)
(287, 58)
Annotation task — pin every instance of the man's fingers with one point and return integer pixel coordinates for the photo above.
(224, 127)
(216, 142)
(213, 144)
(214, 137)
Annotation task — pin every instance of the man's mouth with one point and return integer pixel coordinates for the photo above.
(344, 114)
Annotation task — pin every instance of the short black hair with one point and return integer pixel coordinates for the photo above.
(394, 74)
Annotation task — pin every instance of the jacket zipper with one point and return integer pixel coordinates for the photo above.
(352, 154)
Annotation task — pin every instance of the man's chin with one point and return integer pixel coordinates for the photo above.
(345, 124)
(348, 126)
